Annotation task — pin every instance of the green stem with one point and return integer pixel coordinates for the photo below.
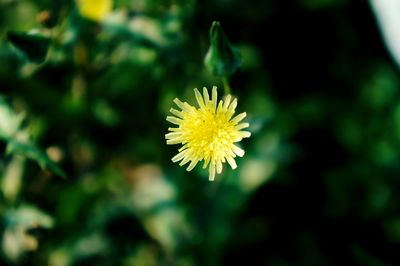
(225, 82)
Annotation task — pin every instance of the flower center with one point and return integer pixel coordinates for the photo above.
(209, 133)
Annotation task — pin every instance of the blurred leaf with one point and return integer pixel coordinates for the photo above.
(32, 152)
(365, 258)
(18, 222)
(11, 181)
(105, 113)
(9, 126)
(9, 120)
(222, 58)
(28, 216)
(380, 87)
(33, 45)
(322, 4)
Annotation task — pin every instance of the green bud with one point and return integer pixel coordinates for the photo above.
(222, 58)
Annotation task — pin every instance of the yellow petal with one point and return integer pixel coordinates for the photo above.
(211, 172)
(192, 165)
(199, 98)
(206, 96)
(176, 112)
(238, 151)
(231, 162)
(238, 118)
(174, 120)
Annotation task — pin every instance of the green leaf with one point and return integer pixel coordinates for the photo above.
(31, 151)
(34, 46)
(222, 58)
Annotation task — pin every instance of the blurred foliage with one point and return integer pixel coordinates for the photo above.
(33, 46)
(86, 86)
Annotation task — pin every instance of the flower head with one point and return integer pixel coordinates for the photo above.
(207, 133)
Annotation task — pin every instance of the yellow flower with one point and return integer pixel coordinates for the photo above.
(94, 9)
(208, 132)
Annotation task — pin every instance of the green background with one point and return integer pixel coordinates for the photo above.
(318, 184)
